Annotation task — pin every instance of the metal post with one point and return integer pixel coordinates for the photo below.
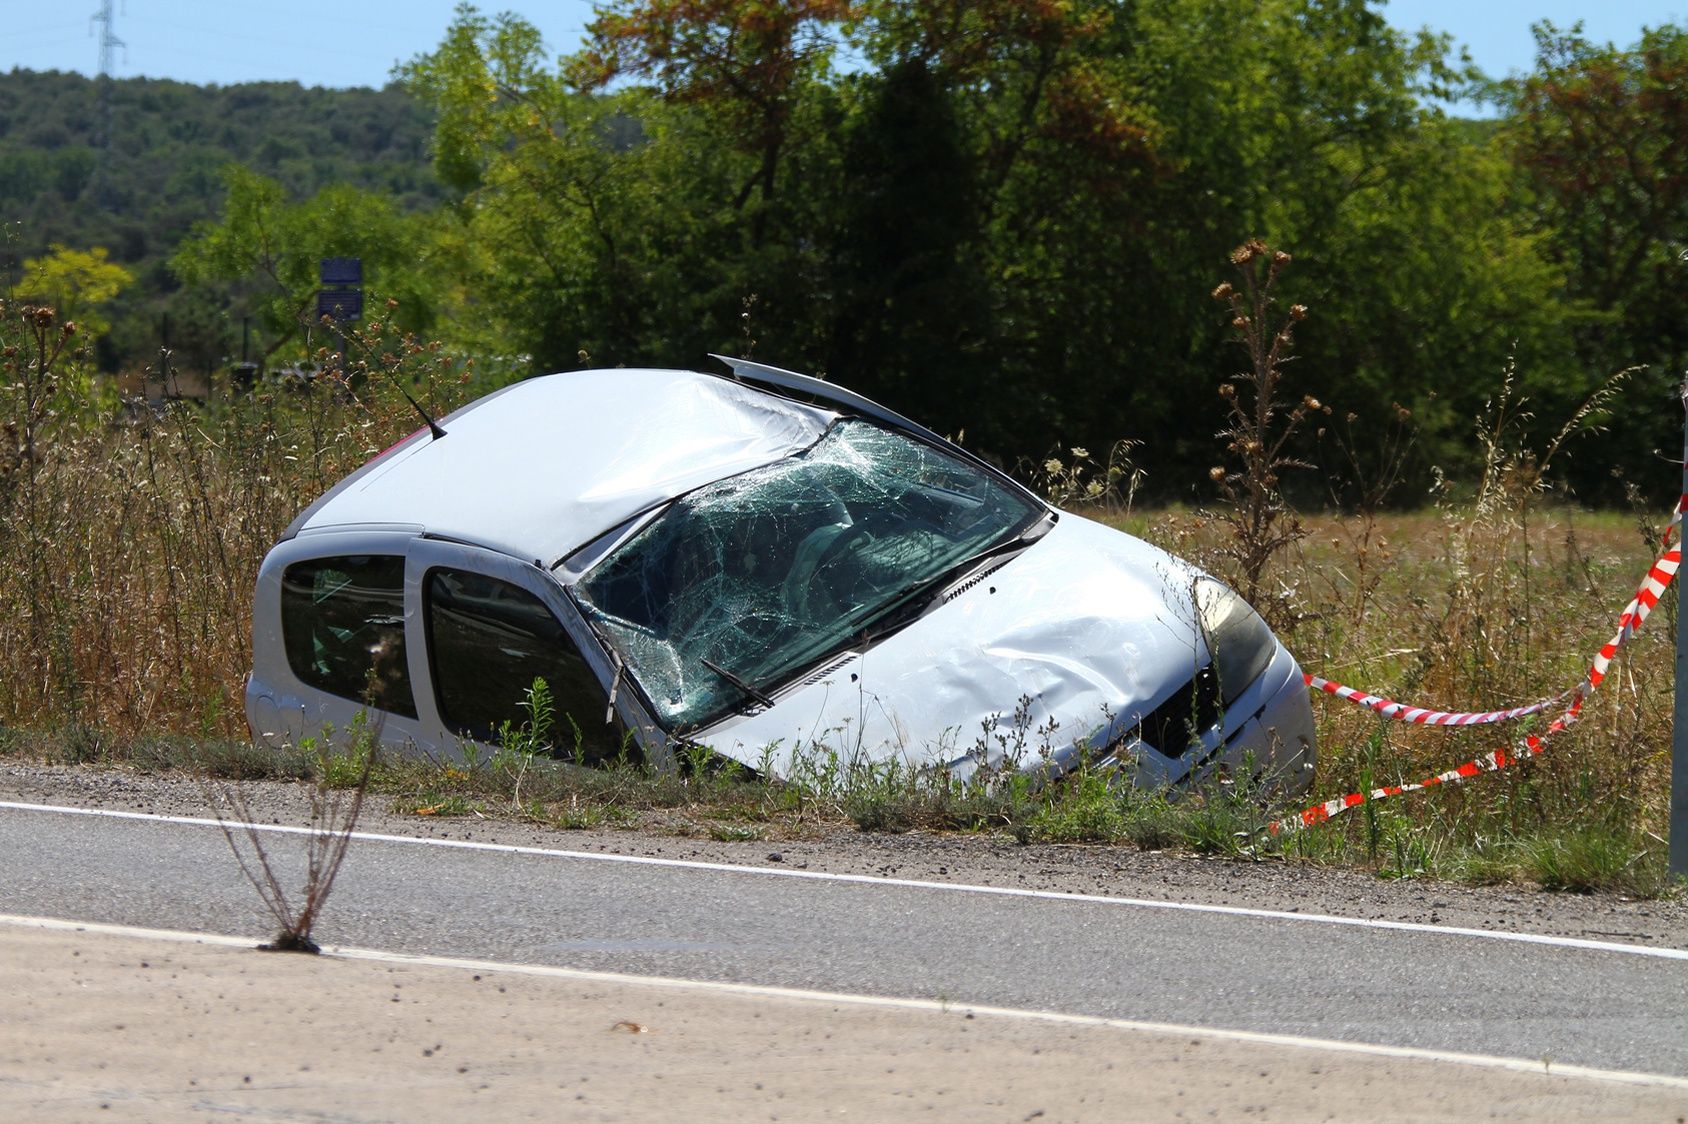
(1679, 728)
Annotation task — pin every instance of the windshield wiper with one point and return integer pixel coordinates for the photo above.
(742, 684)
(894, 616)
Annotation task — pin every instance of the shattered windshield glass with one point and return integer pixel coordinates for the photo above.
(745, 582)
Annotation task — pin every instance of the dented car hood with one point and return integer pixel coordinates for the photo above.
(1052, 653)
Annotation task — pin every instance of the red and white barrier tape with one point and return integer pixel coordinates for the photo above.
(1425, 716)
(1405, 712)
(1647, 595)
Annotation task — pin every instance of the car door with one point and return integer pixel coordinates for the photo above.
(489, 625)
(332, 640)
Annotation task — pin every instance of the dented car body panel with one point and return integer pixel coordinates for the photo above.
(540, 467)
(765, 565)
(1088, 626)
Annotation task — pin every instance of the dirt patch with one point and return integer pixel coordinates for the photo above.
(182, 1029)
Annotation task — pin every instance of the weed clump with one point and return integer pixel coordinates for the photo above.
(133, 529)
(342, 782)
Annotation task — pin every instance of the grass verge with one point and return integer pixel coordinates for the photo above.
(135, 532)
(730, 804)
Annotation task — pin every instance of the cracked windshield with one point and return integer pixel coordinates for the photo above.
(743, 583)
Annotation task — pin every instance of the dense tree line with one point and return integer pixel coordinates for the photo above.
(1005, 216)
(132, 164)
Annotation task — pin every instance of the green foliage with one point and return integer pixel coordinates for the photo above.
(346, 761)
(1596, 133)
(912, 310)
(1088, 810)
(520, 742)
(264, 252)
(161, 172)
(598, 224)
(1594, 858)
(998, 224)
(999, 220)
(746, 65)
(1429, 285)
(76, 283)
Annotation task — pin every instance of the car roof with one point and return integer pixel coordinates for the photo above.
(548, 464)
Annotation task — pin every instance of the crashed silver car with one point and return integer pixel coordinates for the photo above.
(759, 563)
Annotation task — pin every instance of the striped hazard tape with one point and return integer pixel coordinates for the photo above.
(1647, 595)
(1405, 712)
(1426, 716)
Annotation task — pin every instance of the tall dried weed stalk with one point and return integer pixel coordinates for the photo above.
(1259, 429)
(336, 802)
(1491, 630)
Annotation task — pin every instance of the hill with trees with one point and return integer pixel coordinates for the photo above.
(132, 164)
(1002, 217)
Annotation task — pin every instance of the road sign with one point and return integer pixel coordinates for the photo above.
(341, 271)
(339, 304)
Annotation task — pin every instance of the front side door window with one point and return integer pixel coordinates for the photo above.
(488, 641)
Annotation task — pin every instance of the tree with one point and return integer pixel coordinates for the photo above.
(1598, 133)
(910, 303)
(746, 59)
(1022, 72)
(606, 224)
(77, 283)
(1003, 222)
(1305, 124)
(265, 252)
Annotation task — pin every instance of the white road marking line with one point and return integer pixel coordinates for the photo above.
(902, 883)
(1538, 1067)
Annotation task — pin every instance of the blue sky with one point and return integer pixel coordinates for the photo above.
(356, 42)
(1497, 32)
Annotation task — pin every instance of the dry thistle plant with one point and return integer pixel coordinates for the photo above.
(1259, 428)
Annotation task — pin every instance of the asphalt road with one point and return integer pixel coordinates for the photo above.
(1414, 988)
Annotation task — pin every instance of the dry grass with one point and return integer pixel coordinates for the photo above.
(1486, 601)
(133, 533)
(1469, 617)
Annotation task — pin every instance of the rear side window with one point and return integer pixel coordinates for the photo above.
(342, 623)
(489, 641)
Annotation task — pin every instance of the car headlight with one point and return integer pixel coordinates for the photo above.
(1240, 644)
